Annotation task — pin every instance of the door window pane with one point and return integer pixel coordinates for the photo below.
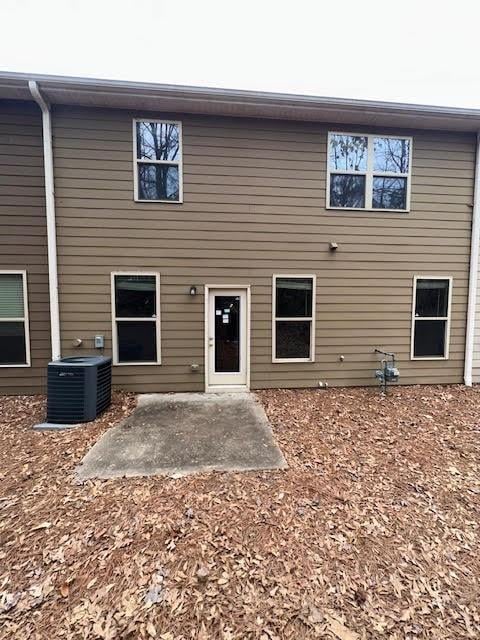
(12, 343)
(347, 191)
(348, 153)
(135, 296)
(293, 339)
(227, 334)
(293, 297)
(158, 182)
(391, 155)
(431, 298)
(137, 341)
(157, 141)
(429, 340)
(389, 193)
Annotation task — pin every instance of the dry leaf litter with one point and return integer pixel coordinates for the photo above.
(372, 532)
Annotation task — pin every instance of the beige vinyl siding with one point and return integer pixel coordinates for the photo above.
(254, 205)
(23, 237)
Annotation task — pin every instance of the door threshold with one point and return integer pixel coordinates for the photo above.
(226, 388)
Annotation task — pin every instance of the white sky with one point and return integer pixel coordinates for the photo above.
(413, 51)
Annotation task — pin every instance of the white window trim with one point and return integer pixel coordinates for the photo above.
(115, 319)
(370, 173)
(137, 161)
(447, 318)
(311, 318)
(25, 319)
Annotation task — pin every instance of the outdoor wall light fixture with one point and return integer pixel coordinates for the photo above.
(193, 290)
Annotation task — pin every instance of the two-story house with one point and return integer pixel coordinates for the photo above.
(218, 240)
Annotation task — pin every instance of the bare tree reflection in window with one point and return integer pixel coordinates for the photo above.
(348, 153)
(157, 141)
(389, 193)
(347, 190)
(158, 144)
(391, 155)
(158, 182)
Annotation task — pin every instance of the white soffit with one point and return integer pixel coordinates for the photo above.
(141, 97)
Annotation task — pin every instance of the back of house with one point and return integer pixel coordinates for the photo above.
(222, 240)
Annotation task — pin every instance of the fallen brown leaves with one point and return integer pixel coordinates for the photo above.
(372, 532)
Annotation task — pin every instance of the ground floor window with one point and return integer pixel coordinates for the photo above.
(136, 318)
(431, 317)
(14, 334)
(293, 324)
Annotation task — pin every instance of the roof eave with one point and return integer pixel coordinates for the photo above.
(237, 103)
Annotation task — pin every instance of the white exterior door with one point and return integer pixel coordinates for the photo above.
(227, 339)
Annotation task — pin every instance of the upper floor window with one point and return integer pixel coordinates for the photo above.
(158, 160)
(367, 171)
(14, 335)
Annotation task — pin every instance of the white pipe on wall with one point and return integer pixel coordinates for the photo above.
(473, 279)
(50, 211)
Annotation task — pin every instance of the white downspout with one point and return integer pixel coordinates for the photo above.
(50, 210)
(473, 279)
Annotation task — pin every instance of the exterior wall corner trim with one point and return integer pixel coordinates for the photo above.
(473, 276)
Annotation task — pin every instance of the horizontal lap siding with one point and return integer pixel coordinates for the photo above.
(23, 238)
(254, 205)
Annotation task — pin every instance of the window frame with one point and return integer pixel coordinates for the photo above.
(134, 319)
(369, 173)
(446, 318)
(137, 161)
(25, 319)
(313, 277)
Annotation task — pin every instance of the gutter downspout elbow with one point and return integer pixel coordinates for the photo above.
(473, 278)
(50, 214)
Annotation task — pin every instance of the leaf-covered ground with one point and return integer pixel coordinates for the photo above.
(372, 532)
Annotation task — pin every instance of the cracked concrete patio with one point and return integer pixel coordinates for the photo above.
(182, 433)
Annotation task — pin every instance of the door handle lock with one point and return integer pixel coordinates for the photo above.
(210, 342)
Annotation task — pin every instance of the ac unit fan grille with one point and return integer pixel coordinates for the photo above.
(66, 402)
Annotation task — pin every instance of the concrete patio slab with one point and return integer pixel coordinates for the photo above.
(182, 433)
